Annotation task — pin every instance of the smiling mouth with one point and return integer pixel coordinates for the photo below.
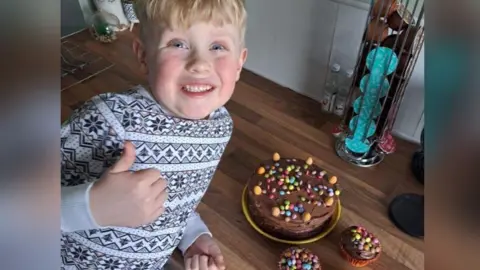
(198, 88)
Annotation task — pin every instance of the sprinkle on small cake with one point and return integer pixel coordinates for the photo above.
(296, 258)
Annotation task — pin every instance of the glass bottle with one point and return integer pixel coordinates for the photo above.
(331, 87)
(342, 95)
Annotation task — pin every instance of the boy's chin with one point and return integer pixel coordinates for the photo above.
(194, 114)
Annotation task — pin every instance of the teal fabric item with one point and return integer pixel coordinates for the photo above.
(357, 146)
(358, 102)
(382, 60)
(361, 126)
(373, 84)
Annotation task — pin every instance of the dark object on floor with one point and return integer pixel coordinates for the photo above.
(418, 163)
(406, 211)
(418, 166)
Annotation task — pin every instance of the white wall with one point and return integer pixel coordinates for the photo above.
(290, 43)
(88, 8)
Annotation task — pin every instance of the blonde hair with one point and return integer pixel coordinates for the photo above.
(183, 13)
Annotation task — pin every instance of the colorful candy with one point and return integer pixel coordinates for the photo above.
(275, 211)
(329, 201)
(332, 180)
(261, 170)
(276, 157)
(306, 217)
(309, 161)
(257, 190)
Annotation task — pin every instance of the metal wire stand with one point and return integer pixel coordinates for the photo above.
(389, 50)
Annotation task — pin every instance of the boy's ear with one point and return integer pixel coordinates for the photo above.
(140, 52)
(241, 62)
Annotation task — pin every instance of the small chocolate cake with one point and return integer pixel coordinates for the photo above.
(296, 258)
(291, 199)
(359, 246)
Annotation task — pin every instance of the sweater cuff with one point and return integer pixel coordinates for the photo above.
(195, 228)
(75, 209)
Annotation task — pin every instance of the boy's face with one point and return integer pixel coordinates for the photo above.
(193, 72)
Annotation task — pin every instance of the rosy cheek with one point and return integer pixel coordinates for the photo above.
(225, 64)
(167, 64)
(169, 58)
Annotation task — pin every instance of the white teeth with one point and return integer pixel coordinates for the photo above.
(197, 88)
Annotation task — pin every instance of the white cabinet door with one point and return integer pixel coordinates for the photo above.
(289, 42)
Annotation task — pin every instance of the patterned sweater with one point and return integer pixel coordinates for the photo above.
(186, 153)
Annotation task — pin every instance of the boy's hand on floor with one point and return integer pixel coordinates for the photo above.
(127, 199)
(204, 254)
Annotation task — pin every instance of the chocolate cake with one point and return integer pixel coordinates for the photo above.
(291, 199)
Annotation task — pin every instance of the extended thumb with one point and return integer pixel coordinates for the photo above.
(126, 160)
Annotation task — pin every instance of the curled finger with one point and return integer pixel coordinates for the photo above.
(161, 198)
(157, 212)
(203, 262)
(159, 184)
(219, 262)
(211, 264)
(188, 264)
(150, 176)
(195, 262)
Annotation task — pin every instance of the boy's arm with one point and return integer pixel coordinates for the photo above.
(89, 145)
(195, 228)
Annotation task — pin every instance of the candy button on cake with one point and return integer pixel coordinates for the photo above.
(296, 258)
(291, 199)
(359, 246)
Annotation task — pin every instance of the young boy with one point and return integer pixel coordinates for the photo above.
(135, 165)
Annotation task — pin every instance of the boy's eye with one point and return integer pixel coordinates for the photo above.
(217, 47)
(178, 44)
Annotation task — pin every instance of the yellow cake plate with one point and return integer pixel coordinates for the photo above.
(331, 224)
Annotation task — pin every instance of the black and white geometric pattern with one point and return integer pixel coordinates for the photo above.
(130, 12)
(186, 153)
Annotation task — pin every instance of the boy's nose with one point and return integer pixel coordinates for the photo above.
(198, 64)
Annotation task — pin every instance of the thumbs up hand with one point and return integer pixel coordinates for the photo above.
(127, 199)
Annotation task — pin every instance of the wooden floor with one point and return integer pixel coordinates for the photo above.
(269, 118)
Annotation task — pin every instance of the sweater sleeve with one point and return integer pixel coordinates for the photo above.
(75, 209)
(91, 141)
(195, 228)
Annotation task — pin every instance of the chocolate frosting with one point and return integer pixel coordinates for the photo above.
(360, 244)
(307, 189)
